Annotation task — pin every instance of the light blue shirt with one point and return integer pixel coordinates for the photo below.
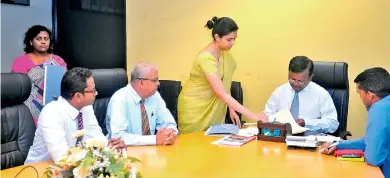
(123, 117)
(316, 107)
(376, 143)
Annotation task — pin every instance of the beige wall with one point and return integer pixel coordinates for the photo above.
(170, 34)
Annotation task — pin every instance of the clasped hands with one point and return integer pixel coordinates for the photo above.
(117, 143)
(166, 136)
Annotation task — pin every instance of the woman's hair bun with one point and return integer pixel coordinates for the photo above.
(210, 23)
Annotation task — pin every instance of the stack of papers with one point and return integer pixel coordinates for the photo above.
(302, 141)
(250, 131)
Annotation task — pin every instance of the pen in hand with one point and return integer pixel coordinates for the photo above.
(329, 147)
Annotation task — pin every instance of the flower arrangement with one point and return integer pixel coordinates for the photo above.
(93, 159)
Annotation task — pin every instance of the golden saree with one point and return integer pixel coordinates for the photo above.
(198, 105)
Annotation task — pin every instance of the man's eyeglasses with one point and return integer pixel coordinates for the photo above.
(93, 91)
(153, 80)
(300, 82)
(84, 91)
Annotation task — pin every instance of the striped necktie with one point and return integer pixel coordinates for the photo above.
(80, 124)
(145, 120)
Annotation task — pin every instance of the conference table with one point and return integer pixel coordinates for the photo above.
(193, 156)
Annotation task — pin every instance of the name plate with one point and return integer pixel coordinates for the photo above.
(274, 132)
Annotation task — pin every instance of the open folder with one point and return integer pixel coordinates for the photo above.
(52, 86)
(284, 116)
(222, 129)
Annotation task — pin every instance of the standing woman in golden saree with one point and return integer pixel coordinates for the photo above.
(206, 95)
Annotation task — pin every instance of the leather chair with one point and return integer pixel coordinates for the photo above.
(107, 82)
(333, 76)
(169, 91)
(17, 125)
(236, 92)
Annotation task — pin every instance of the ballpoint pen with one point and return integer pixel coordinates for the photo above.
(335, 143)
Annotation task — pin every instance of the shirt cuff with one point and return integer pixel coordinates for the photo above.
(344, 145)
(311, 124)
(149, 139)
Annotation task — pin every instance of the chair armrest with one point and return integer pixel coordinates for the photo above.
(343, 134)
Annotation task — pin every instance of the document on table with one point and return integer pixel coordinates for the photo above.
(249, 131)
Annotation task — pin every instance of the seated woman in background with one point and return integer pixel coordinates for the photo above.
(38, 54)
(206, 95)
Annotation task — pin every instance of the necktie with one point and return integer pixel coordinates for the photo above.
(294, 109)
(145, 120)
(80, 124)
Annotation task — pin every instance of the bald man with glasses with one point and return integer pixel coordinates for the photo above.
(137, 114)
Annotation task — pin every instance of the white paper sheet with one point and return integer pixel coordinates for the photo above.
(284, 116)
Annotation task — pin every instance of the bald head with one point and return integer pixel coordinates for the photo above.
(142, 70)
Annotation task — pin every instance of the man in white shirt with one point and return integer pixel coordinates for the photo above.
(310, 105)
(60, 119)
(137, 111)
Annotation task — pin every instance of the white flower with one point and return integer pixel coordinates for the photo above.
(124, 152)
(79, 133)
(78, 172)
(100, 143)
(133, 172)
(75, 156)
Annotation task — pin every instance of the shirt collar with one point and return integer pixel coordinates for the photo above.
(134, 94)
(385, 99)
(304, 89)
(69, 109)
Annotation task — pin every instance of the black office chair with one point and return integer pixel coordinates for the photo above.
(333, 76)
(17, 124)
(236, 92)
(169, 91)
(107, 82)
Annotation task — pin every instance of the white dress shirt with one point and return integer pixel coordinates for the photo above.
(56, 124)
(316, 107)
(123, 117)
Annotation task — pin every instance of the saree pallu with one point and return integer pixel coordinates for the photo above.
(198, 105)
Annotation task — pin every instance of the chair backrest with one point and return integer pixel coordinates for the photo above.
(237, 94)
(333, 76)
(169, 91)
(17, 124)
(107, 82)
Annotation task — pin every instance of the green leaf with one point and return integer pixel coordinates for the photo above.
(133, 160)
(67, 173)
(47, 173)
(116, 169)
(88, 162)
(110, 155)
(139, 175)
